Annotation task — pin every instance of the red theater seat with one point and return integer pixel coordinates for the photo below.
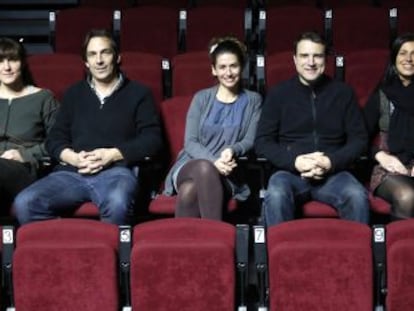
(198, 34)
(66, 264)
(183, 264)
(191, 72)
(320, 264)
(279, 26)
(364, 70)
(150, 29)
(400, 270)
(357, 28)
(57, 71)
(145, 68)
(73, 24)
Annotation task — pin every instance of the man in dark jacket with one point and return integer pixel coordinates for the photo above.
(104, 127)
(311, 130)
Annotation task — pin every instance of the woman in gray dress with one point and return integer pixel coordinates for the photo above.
(220, 127)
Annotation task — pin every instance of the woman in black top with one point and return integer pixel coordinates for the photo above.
(389, 115)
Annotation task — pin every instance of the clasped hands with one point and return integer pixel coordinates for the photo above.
(392, 164)
(91, 162)
(226, 162)
(313, 165)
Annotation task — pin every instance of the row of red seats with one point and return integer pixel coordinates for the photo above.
(189, 72)
(168, 32)
(152, 29)
(346, 29)
(193, 264)
(252, 3)
(77, 264)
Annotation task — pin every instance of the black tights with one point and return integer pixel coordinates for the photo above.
(399, 191)
(14, 177)
(200, 191)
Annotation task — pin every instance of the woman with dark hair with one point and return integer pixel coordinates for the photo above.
(26, 114)
(220, 126)
(389, 115)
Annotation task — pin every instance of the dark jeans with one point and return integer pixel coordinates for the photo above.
(342, 191)
(112, 190)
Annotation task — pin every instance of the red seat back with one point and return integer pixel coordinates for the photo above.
(400, 272)
(191, 72)
(57, 71)
(320, 264)
(145, 68)
(73, 24)
(66, 265)
(150, 29)
(183, 264)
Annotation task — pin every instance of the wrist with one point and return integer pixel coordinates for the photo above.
(115, 155)
(69, 156)
(380, 155)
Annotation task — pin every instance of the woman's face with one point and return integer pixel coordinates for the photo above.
(404, 62)
(228, 70)
(10, 71)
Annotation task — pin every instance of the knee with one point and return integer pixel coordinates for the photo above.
(354, 191)
(404, 203)
(406, 198)
(278, 185)
(356, 203)
(205, 166)
(117, 208)
(22, 205)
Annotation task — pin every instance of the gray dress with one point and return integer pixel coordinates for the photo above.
(212, 127)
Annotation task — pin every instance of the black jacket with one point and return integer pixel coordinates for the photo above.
(297, 119)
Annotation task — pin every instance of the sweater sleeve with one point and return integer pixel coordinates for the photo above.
(267, 143)
(356, 137)
(147, 141)
(35, 152)
(59, 136)
(371, 114)
(192, 143)
(246, 143)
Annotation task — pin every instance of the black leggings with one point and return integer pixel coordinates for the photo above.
(200, 191)
(399, 191)
(14, 177)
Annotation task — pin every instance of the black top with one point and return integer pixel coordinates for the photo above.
(127, 120)
(298, 119)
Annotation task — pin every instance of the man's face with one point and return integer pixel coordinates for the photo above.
(100, 59)
(309, 61)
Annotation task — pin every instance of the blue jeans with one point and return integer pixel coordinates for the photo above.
(112, 190)
(286, 191)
